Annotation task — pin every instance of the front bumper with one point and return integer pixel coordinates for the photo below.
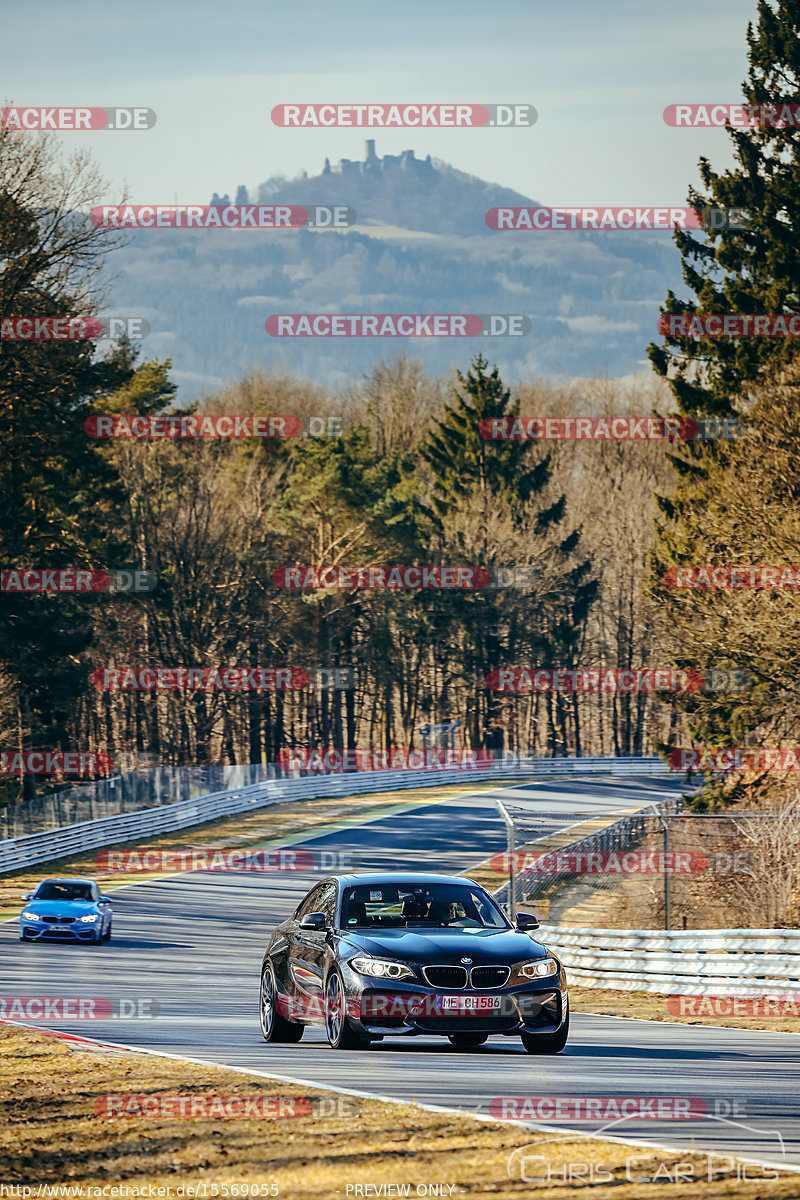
(77, 931)
(411, 1008)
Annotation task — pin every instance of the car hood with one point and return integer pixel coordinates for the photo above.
(63, 908)
(448, 946)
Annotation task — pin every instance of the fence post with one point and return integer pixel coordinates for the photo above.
(512, 905)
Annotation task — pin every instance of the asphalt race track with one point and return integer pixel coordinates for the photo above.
(194, 943)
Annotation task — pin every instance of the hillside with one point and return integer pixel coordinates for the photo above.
(420, 244)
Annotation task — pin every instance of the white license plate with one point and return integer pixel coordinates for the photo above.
(469, 1004)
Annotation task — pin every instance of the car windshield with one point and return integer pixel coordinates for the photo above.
(64, 891)
(420, 905)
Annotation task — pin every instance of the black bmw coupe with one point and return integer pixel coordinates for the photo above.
(370, 956)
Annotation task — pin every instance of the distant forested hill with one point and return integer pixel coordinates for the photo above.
(420, 245)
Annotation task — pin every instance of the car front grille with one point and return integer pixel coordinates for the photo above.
(445, 977)
(489, 977)
(59, 920)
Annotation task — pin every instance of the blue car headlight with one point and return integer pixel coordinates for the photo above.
(31, 916)
(536, 968)
(91, 917)
(381, 968)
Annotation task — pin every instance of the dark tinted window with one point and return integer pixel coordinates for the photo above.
(64, 891)
(420, 904)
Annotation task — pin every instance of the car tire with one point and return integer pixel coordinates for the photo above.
(107, 934)
(274, 1027)
(466, 1041)
(338, 1030)
(547, 1043)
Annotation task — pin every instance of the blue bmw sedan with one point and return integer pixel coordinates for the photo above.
(67, 910)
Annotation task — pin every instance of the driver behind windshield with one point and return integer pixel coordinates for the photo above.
(442, 911)
(64, 891)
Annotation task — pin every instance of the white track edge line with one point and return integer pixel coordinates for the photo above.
(434, 1108)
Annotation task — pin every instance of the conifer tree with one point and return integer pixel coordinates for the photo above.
(489, 499)
(749, 270)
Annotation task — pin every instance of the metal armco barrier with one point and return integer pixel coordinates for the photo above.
(90, 835)
(705, 962)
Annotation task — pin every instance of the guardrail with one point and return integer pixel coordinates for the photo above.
(705, 962)
(90, 835)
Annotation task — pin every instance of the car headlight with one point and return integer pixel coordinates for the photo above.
(537, 968)
(381, 968)
(31, 916)
(91, 917)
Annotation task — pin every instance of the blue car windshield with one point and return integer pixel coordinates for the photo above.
(421, 905)
(64, 891)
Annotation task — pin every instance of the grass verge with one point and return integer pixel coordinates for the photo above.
(50, 1133)
(653, 1006)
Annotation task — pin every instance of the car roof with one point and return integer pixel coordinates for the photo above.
(72, 879)
(402, 876)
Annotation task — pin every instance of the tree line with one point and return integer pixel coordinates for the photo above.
(406, 478)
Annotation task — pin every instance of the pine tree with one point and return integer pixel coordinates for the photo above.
(752, 270)
(483, 506)
(58, 490)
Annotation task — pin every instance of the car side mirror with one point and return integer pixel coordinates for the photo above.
(27, 896)
(316, 920)
(105, 899)
(526, 921)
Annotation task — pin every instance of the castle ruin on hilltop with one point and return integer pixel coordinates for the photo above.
(372, 164)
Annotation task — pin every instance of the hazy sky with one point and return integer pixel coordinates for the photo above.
(600, 75)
